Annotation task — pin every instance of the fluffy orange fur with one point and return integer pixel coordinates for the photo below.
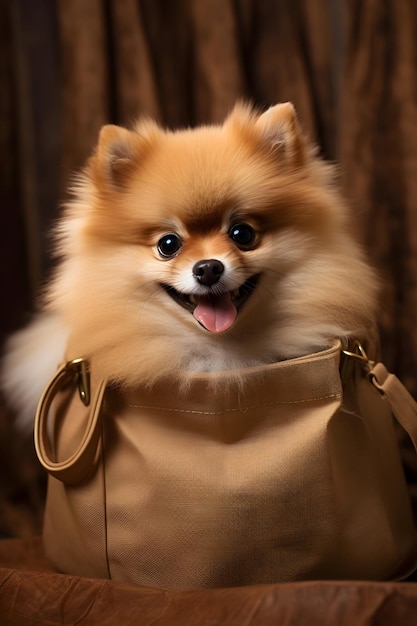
(255, 169)
(305, 277)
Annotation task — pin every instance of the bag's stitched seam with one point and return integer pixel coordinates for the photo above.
(233, 410)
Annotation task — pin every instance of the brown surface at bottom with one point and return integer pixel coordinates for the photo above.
(32, 593)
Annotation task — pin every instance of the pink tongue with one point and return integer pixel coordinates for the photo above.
(216, 313)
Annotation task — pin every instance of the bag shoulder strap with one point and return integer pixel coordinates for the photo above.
(74, 469)
(402, 404)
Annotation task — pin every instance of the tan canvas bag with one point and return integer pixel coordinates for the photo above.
(296, 476)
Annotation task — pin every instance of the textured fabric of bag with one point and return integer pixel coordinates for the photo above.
(289, 478)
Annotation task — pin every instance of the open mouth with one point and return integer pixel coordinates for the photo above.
(215, 312)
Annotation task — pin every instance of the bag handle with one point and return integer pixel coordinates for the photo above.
(74, 469)
(401, 403)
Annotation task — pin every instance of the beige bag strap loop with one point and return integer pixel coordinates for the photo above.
(74, 469)
(402, 404)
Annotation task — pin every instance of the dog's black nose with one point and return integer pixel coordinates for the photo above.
(208, 272)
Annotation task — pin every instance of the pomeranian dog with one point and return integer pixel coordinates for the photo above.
(209, 249)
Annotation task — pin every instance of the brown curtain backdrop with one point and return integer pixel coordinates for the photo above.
(378, 153)
(350, 67)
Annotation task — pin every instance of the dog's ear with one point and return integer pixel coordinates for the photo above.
(119, 151)
(280, 129)
(116, 154)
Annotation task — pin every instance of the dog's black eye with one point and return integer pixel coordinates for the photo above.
(169, 245)
(243, 235)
